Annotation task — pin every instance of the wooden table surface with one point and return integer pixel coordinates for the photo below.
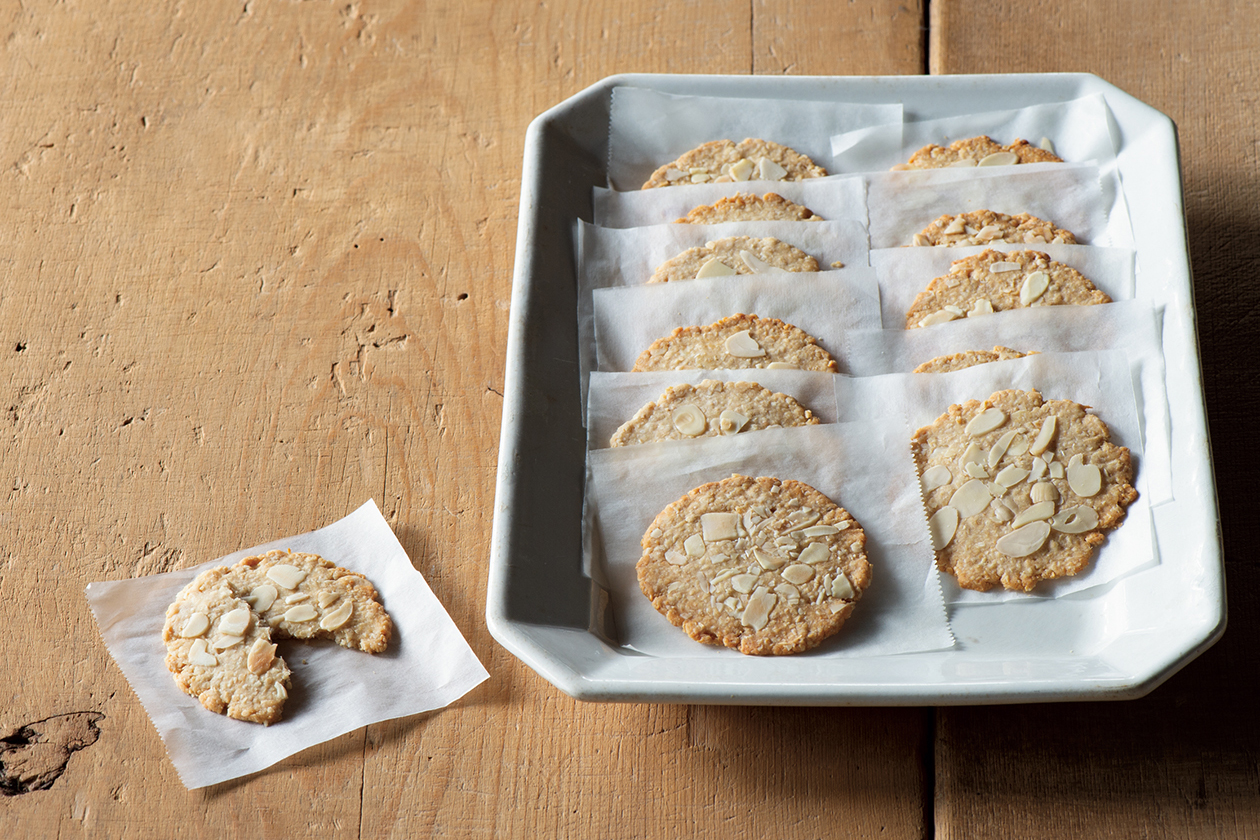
(255, 269)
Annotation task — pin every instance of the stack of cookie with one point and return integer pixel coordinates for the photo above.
(726, 335)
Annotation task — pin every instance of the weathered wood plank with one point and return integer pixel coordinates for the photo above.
(1182, 761)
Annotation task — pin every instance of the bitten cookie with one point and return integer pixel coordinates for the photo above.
(978, 151)
(1020, 490)
(710, 409)
(221, 629)
(745, 207)
(981, 227)
(722, 161)
(734, 255)
(737, 342)
(994, 281)
(970, 358)
(756, 564)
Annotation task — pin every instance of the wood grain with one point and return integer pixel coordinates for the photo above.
(256, 271)
(1181, 762)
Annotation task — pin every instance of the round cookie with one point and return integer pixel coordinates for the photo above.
(745, 207)
(221, 628)
(970, 358)
(235, 673)
(710, 409)
(978, 151)
(756, 564)
(737, 342)
(734, 255)
(721, 161)
(994, 281)
(1019, 489)
(980, 227)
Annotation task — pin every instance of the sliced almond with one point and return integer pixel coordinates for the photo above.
(286, 576)
(1044, 491)
(744, 583)
(1000, 511)
(965, 162)
(958, 225)
(719, 526)
(781, 366)
(262, 597)
(1003, 266)
(971, 498)
(1075, 520)
(983, 306)
(757, 613)
(920, 240)
(1048, 427)
(224, 642)
(815, 553)
(689, 420)
(198, 623)
(788, 592)
(1024, 541)
(975, 470)
(297, 598)
(714, 268)
(234, 623)
(973, 454)
(1056, 470)
(937, 476)
(328, 597)
(1034, 287)
(261, 655)
(700, 177)
(999, 448)
(742, 345)
(759, 266)
(300, 613)
(798, 573)
(199, 654)
(767, 560)
(942, 526)
(1047, 144)
(675, 558)
(742, 169)
(768, 170)
(338, 617)
(822, 530)
(1011, 476)
(731, 422)
(694, 545)
(999, 159)
(841, 587)
(1034, 513)
(1039, 469)
(941, 317)
(986, 421)
(1084, 479)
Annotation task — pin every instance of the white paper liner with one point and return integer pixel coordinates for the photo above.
(1075, 197)
(905, 272)
(1100, 379)
(427, 665)
(1080, 130)
(831, 198)
(824, 304)
(648, 129)
(617, 397)
(1132, 326)
(863, 467)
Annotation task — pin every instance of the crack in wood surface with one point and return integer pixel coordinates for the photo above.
(33, 757)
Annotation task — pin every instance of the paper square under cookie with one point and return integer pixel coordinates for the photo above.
(426, 666)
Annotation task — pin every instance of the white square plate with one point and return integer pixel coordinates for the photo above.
(1114, 642)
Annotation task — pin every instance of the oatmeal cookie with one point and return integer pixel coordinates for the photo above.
(745, 207)
(970, 358)
(1019, 490)
(711, 409)
(734, 255)
(994, 281)
(722, 161)
(756, 564)
(737, 342)
(978, 151)
(980, 227)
